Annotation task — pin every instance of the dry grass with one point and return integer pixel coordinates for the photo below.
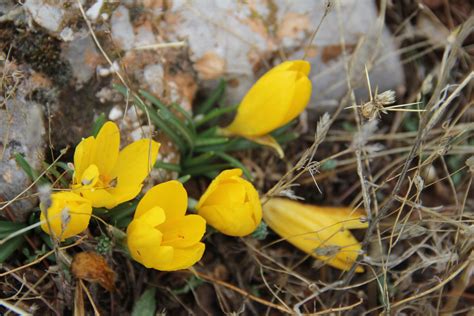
(414, 183)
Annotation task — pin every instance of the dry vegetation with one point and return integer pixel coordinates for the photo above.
(409, 167)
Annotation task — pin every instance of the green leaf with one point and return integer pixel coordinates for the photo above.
(171, 118)
(215, 97)
(261, 232)
(146, 304)
(8, 248)
(235, 163)
(167, 166)
(204, 169)
(184, 179)
(155, 118)
(214, 114)
(124, 210)
(211, 141)
(32, 173)
(99, 122)
(7, 227)
(205, 157)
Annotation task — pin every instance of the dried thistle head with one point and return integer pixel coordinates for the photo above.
(377, 103)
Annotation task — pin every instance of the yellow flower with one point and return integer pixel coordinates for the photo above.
(275, 99)
(319, 231)
(106, 176)
(231, 204)
(68, 215)
(160, 235)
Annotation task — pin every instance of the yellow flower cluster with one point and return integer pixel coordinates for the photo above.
(161, 235)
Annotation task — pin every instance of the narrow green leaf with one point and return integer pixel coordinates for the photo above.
(7, 227)
(32, 173)
(155, 118)
(99, 122)
(215, 97)
(8, 248)
(167, 166)
(215, 114)
(56, 174)
(198, 160)
(186, 114)
(235, 163)
(212, 131)
(121, 211)
(211, 141)
(146, 304)
(171, 118)
(184, 179)
(203, 169)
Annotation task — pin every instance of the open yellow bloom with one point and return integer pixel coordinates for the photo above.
(108, 176)
(274, 100)
(68, 215)
(319, 231)
(160, 235)
(231, 204)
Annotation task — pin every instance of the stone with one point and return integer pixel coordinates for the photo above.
(83, 57)
(21, 132)
(246, 38)
(122, 29)
(46, 14)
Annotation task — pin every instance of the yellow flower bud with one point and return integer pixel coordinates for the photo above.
(231, 204)
(321, 232)
(160, 235)
(68, 215)
(275, 99)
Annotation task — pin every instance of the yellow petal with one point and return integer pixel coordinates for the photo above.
(310, 228)
(292, 65)
(300, 99)
(98, 197)
(227, 194)
(232, 220)
(266, 105)
(183, 258)
(107, 148)
(153, 217)
(124, 192)
(170, 196)
(223, 176)
(183, 232)
(90, 176)
(143, 241)
(134, 162)
(83, 157)
(68, 215)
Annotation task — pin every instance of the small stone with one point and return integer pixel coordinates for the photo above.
(44, 13)
(122, 29)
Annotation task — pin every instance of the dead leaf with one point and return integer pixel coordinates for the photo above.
(331, 52)
(92, 267)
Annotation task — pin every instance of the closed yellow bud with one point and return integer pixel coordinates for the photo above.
(321, 232)
(274, 100)
(68, 215)
(231, 204)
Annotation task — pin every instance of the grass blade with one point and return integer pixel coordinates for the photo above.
(235, 163)
(215, 97)
(171, 118)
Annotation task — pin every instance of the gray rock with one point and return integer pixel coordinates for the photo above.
(83, 57)
(48, 15)
(245, 36)
(122, 29)
(21, 132)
